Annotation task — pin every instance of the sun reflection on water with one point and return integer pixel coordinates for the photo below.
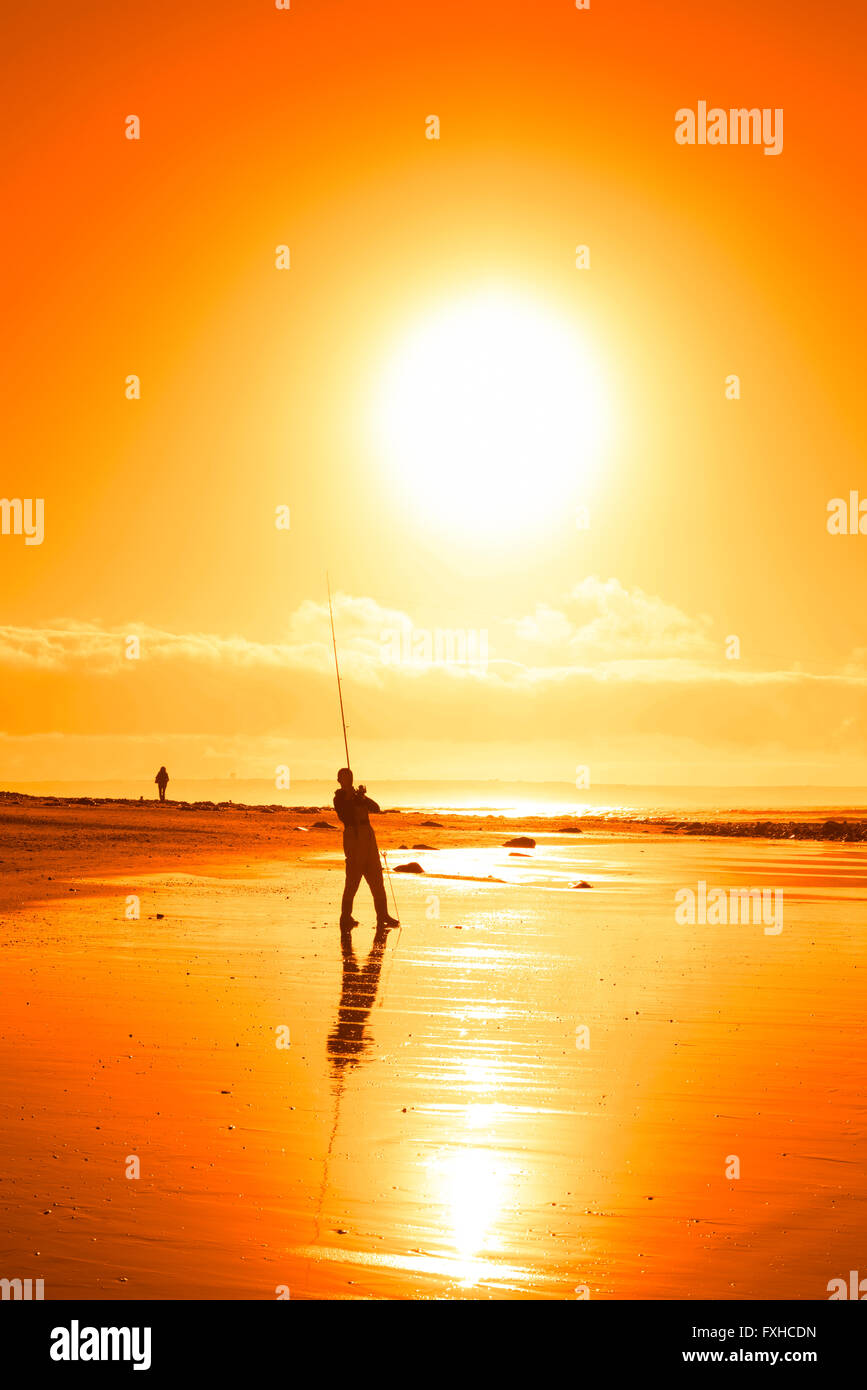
(471, 1186)
(472, 1182)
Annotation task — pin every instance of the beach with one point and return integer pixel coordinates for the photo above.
(530, 1091)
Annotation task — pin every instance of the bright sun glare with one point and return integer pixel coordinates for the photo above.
(492, 413)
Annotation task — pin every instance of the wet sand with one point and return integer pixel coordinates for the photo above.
(432, 1130)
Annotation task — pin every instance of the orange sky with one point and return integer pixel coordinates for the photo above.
(307, 127)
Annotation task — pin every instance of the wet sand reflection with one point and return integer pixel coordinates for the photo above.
(348, 1042)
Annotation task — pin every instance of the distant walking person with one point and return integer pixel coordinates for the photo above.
(353, 806)
(162, 781)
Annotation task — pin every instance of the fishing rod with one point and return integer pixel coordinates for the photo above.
(383, 857)
(337, 669)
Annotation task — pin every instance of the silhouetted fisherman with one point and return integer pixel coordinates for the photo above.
(353, 806)
(162, 781)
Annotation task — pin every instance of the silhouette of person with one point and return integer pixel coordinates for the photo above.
(162, 781)
(353, 806)
(347, 1042)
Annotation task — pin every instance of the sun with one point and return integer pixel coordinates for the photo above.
(491, 414)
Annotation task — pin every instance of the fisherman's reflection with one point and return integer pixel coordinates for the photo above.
(348, 1042)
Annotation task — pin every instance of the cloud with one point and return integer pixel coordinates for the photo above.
(584, 672)
(54, 648)
(600, 621)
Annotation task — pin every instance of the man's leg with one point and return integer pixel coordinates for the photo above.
(373, 877)
(354, 869)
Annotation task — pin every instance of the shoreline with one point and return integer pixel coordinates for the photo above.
(845, 825)
(51, 847)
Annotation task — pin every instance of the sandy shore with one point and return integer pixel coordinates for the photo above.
(432, 1130)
